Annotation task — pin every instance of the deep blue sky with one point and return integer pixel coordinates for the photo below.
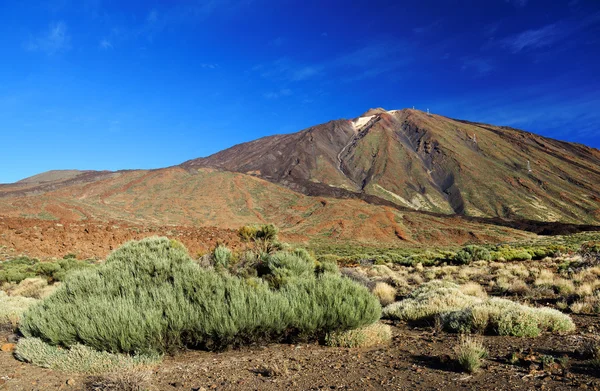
(94, 84)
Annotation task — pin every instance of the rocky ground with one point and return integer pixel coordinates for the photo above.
(419, 358)
(96, 239)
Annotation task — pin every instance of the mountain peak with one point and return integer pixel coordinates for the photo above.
(376, 111)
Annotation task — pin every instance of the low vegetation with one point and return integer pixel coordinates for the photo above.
(122, 380)
(18, 269)
(470, 354)
(151, 297)
(465, 313)
(372, 335)
(12, 309)
(78, 358)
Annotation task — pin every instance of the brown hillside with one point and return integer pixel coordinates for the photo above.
(429, 163)
(214, 198)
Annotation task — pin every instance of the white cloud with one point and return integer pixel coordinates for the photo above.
(536, 38)
(278, 94)
(105, 44)
(54, 40)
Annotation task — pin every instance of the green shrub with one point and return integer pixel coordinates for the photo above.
(471, 254)
(283, 267)
(248, 233)
(18, 269)
(149, 296)
(222, 256)
(329, 258)
(78, 358)
(327, 267)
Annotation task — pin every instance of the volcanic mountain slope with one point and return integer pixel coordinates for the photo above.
(208, 197)
(430, 163)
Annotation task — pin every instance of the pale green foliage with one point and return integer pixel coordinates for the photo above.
(13, 307)
(472, 254)
(469, 354)
(222, 256)
(150, 296)
(284, 267)
(372, 335)
(35, 287)
(428, 300)
(464, 313)
(78, 358)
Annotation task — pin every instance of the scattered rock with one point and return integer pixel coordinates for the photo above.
(12, 338)
(8, 347)
(71, 382)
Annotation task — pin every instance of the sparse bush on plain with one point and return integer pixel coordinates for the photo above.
(121, 380)
(470, 354)
(372, 335)
(34, 287)
(19, 269)
(463, 313)
(471, 254)
(222, 256)
(78, 358)
(149, 297)
(385, 293)
(12, 308)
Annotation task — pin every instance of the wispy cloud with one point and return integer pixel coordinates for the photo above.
(557, 109)
(105, 44)
(54, 40)
(277, 42)
(181, 13)
(368, 61)
(426, 28)
(278, 94)
(517, 3)
(549, 35)
(536, 38)
(481, 66)
(209, 66)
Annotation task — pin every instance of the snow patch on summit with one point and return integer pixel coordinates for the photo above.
(361, 121)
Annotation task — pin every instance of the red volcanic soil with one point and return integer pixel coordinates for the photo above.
(96, 239)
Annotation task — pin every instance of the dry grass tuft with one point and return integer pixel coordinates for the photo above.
(473, 289)
(12, 308)
(273, 369)
(518, 287)
(79, 358)
(470, 353)
(35, 287)
(373, 335)
(128, 380)
(385, 293)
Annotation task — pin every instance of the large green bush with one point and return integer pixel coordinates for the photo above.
(471, 254)
(150, 297)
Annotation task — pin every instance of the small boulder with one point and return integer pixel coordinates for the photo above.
(8, 347)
